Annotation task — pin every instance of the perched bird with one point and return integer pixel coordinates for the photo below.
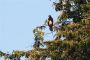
(50, 22)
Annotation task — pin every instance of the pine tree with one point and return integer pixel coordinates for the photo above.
(73, 24)
(76, 46)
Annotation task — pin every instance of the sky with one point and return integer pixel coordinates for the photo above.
(17, 20)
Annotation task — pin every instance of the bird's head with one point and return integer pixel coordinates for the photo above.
(49, 15)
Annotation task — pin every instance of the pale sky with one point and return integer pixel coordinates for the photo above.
(17, 20)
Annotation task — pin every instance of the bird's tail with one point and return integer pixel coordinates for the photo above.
(51, 28)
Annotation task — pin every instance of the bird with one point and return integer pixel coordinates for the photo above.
(50, 22)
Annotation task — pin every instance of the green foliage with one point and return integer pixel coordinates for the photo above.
(38, 37)
(76, 46)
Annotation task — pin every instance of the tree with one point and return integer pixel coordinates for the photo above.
(73, 24)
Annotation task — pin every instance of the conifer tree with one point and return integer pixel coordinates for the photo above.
(73, 24)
